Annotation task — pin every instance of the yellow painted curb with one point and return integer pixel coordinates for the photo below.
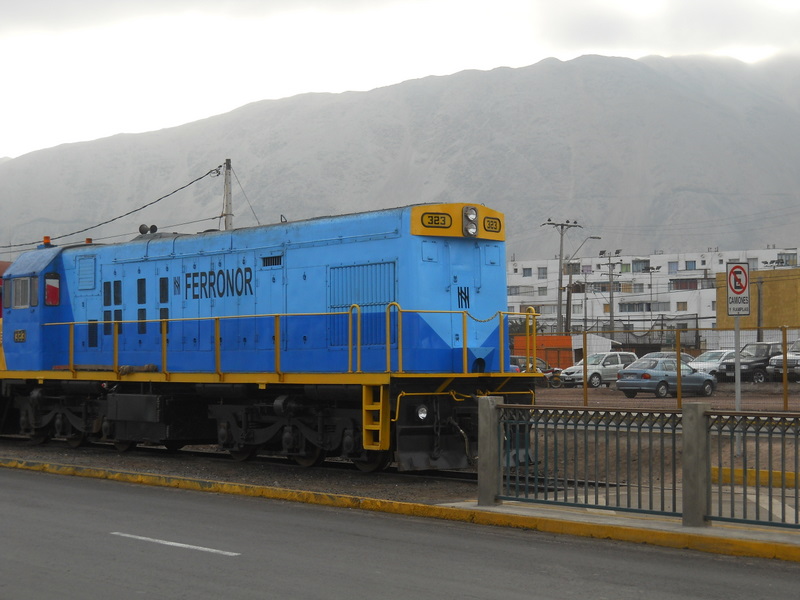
(684, 540)
(776, 479)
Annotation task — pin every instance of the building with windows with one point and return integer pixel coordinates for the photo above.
(644, 295)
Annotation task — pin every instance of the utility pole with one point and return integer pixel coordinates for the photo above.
(227, 202)
(650, 271)
(611, 298)
(561, 227)
(610, 264)
(570, 261)
(585, 303)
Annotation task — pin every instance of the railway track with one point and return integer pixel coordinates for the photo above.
(209, 463)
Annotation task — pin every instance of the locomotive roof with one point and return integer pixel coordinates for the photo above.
(33, 262)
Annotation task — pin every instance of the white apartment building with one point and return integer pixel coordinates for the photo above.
(639, 293)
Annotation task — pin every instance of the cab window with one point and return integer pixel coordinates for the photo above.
(52, 289)
(24, 292)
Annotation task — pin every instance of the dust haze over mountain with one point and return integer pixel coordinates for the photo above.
(656, 154)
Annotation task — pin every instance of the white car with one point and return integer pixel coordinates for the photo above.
(601, 368)
(709, 361)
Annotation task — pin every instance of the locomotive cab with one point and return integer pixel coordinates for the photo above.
(32, 299)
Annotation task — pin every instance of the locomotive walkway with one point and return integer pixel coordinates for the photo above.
(721, 538)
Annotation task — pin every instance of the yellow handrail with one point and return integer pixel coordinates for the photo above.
(354, 337)
(389, 337)
(217, 349)
(164, 327)
(357, 308)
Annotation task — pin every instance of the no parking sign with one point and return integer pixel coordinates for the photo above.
(738, 290)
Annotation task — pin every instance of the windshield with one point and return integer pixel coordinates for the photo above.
(711, 356)
(594, 359)
(754, 350)
(643, 363)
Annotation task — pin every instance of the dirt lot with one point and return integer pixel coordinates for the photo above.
(762, 397)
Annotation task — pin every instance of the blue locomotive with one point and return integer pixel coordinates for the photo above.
(366, 336)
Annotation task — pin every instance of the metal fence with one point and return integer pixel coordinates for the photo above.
(715, 466)
(624, 460)
(770, 383)
(686, 332)
(754, 460)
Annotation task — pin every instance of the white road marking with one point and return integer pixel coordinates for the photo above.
(175, 544)
(774, 507)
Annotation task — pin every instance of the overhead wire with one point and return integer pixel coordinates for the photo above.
(245, 196)
(212, 172)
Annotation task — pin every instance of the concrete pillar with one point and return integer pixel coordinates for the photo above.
(488, 450)
(696, 465)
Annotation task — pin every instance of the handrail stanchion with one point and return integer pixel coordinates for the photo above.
(464, 349)
(785, 369)
(585, 370)
(357, 308)
(117, 325)
(534, 314)
(277, 344)
(502, 332)
(217, 349)
(72, 350)
(164, 327)
(389, 337)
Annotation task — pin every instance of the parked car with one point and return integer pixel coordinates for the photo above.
(684, 356)
(775, 365)
(709, 361)
(551, 373)
(659, 376)
(601, 368)
(753, 358)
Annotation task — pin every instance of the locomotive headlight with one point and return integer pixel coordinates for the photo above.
(470, 221)
(422, 412)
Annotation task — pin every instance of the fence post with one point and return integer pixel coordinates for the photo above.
(488, 450)
(696, 464)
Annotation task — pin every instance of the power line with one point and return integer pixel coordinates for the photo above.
(213, 172)
(245, 196)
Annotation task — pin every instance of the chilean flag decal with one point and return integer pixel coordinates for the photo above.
(52, 295)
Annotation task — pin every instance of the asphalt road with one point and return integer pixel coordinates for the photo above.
(68, 537)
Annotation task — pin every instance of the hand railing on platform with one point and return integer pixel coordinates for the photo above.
(354, 346)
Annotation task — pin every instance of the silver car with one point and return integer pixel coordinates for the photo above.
(709, 361)
(775, 366)
(601, 368)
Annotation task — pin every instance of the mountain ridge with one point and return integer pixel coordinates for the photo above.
(655, 154)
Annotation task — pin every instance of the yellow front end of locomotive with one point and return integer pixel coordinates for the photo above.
(458, 220)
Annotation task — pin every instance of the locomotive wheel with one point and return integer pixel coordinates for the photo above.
(39, 437)
(76, 440)
(124, 445)
(244, 453)
(377, 460)
(314, 457)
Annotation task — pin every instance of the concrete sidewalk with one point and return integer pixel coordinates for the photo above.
(720, 538)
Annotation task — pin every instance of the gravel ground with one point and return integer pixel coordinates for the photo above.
(337, 478)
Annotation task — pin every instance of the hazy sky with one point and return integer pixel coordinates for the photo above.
(75, 70)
